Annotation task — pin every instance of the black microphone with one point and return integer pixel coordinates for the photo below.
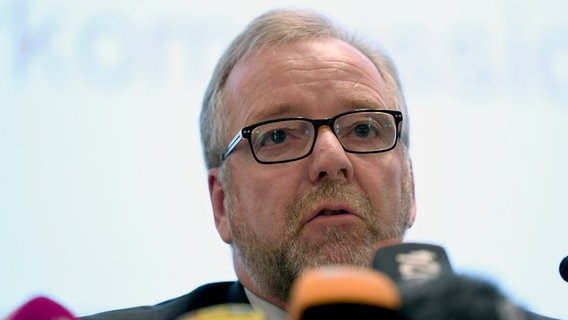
(429, 288)
(412, 263)
(564, 269)
(458, 297)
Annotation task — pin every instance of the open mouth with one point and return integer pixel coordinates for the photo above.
(327, 212)
(330, 210)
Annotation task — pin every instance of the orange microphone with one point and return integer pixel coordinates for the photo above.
(334, 293)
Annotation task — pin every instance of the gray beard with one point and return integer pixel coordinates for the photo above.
(273, 267)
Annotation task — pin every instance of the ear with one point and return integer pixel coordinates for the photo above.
(412, 215)
(412, 205)
(217, 194)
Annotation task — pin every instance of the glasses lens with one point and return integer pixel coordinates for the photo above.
(282, 140)
(366, 131)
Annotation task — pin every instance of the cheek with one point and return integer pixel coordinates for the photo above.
(382, 182)
(263, 198)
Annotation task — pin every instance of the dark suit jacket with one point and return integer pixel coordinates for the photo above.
(204, 296)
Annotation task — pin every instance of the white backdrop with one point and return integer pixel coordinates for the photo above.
(103, 195)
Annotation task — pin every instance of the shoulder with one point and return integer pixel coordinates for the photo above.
(204, 296)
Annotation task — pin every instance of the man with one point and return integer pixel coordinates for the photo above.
(306, 142)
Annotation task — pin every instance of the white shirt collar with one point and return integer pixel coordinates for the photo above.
(271, 311)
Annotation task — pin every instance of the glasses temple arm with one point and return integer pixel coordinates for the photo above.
(234, 142)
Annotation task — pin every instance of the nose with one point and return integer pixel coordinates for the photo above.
(328, 159)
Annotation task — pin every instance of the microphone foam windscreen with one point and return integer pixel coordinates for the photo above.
(458, 297)
(41, 308)
(229, 311)
(563, 268)
(343, 293)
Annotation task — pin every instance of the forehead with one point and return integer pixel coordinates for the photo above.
(292, 75)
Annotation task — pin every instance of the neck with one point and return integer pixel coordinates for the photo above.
(246, 280)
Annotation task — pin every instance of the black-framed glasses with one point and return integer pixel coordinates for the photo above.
(290, 139)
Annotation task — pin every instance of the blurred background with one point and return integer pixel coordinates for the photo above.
(103, 191)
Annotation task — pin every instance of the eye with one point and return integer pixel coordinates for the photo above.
(272, 137)
(277, 136)
(362, 130)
